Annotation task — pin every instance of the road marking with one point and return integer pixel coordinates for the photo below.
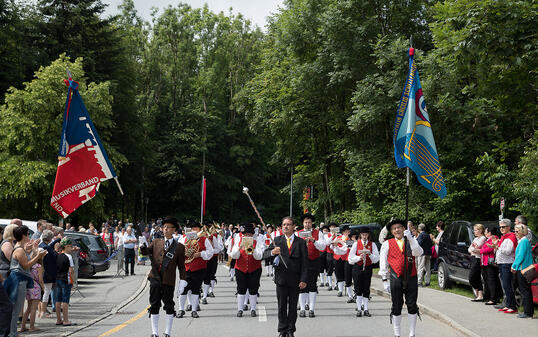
(123, 325)
(262, 315)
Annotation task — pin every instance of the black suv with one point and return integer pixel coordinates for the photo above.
(98, 253)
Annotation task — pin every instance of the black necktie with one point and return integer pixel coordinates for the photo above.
(166, 245)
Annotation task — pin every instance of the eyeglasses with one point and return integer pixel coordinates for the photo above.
(516, 231)
(503, 226)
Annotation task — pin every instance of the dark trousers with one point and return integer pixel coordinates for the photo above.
(339, 266)
(312, 273)
(287, 307)
(330, 264)
(506, 281)
(492, 284)
(129, 259)
(250, 281)
(322, 262)
(526, 293)
(160, 292)
(211, 270)
(6, 308)
(475, 279)
(362, 279)
(398, 292)
(194, 281)
(348, 274)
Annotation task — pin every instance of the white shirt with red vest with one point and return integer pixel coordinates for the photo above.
(341, 250)
(328, 239)
(316, 246)
(206, 250)
(268, 239)
(391, 255)
(217, 244)
(355, 257)
(276, 233)
(248, 263)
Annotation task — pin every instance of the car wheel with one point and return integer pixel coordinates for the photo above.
(442, 276)
(517, 294)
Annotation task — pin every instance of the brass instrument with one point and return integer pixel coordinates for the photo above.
(191, 246)
(247, 244)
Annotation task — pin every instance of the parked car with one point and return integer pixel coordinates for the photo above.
(98, 252)
(32, 225)
(85, 267)
(374, 228)
(455, 260)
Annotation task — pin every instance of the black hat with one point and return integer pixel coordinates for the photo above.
(170, 220)
(394, 222)
(194, 223)
(345, 228)
(364, 229)
(354, 232)
(307, 216)
(269, 226)
(325, 227)
(247, 228)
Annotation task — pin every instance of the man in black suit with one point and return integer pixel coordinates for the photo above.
(290, 275)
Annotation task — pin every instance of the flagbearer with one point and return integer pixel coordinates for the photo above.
(362, 255)
(398, 271)
(197, 252)
(248, 252)
(315, 244)
(166, 255)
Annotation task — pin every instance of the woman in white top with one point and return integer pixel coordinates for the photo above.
(475, 279)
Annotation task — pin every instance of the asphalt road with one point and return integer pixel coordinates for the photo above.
(335, 318)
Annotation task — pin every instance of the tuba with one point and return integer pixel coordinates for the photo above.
(191, 246)
(247, 244)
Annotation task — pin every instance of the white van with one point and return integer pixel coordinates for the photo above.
(32, 225)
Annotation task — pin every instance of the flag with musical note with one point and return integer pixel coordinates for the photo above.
(414, 146)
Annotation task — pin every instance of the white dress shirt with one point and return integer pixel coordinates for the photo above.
(353, 258)
(416, 250)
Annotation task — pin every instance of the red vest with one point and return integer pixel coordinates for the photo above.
(247, 263)
(396, 259)
(340, 245)
(267, 239)
(197, 263)
(328, 248)
(360, 246)
(313, 252)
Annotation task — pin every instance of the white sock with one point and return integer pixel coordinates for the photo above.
(396, 321)
(268, 269)
(312, 299)
(330, 281)
(205, 289)
(359, 303)
(349, 292)
(240, 302)
(189, 295)
(365, 302)
(302, 300)
(253, 300)
(324, 277)
(195, 299)
(169, 321)
(341, 286)
(232, 272)
(212, 286)
(321, 278)
(182, 300)
(155, 324)
(412, 319)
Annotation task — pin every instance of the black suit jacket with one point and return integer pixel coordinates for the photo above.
(296, 259)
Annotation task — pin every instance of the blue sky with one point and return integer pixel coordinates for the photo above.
(254, 10)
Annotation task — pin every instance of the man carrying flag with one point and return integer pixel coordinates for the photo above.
(82, 162)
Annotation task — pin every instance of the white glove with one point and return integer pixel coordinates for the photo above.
(386, 286)
(181, 287)
(407, 234)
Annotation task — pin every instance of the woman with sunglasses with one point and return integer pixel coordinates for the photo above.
(505, 249)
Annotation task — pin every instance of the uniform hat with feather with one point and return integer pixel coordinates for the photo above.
(171, 220)
(394, 222)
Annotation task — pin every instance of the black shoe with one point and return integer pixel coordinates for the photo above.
(339, 294)
(198, 308)
(211, 294)
(359, 313)
(290, 334)
(282, 334)
(194, 314)
(154, 335)
(302, 313)
(253, 313)
(166, 335)
(330, 288)
(362, 306)
(126, 274)
(133, 274)
(326, 284)
(367, 313)
(311, 314)
(240, 313)
(180, 314)
(189, 307)
(245, 307)
(306, 307)
(204, 301)
(350, 300)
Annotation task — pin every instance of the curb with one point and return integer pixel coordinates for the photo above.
(435, 315)
(114, 310)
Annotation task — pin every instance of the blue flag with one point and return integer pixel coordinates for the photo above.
(414, 146)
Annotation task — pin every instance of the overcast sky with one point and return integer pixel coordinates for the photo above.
(254, 10)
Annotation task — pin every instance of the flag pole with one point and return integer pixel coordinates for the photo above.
(119, 186)
(404, 283)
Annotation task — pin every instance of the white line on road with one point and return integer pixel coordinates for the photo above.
(262, 315)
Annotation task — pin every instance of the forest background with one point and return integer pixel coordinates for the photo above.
(316, 90)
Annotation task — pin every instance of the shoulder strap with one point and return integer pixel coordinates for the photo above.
(169, 254)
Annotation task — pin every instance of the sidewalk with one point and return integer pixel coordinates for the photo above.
(469, 318)
(102, 293)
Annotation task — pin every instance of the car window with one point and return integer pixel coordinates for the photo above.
(464, 235)
(454, 234)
